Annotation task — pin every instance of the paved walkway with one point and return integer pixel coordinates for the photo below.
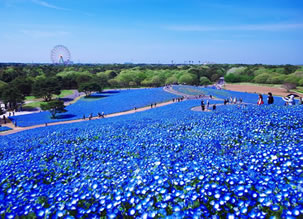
(210, 108)
(77, 96)
(19, 129)
(187, 96)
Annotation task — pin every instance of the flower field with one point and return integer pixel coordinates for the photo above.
(107, 102)
(4, 128)
(237, 162)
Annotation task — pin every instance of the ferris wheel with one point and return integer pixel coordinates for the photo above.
(60, 55)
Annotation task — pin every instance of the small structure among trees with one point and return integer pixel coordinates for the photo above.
(221, 81)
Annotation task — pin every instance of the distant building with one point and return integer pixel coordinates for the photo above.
(221, 81)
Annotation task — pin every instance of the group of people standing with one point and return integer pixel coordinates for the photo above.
(270, 99)
(289, 100)
(178, 99)
(206, 107)
(233, 100)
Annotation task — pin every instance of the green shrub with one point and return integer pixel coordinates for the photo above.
(204, 81)
(261, 78)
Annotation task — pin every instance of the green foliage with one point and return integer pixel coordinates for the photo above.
(113, 82)
(130, 75)
(83, 77)
(204, 81)
(171, 80)
(232, 78)
(2, 84)
(215, 77)
(11, 96)
(23, 85)
(89, 87)
(292, 80)
(259, 71)
(33, 105)
(261, 78)
(187, 79)
(54, 107)
(277, 79)
(46, 87)
(236, 70)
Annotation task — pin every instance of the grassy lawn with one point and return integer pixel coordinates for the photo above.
(64, 93)
(30, 98)
(37, 101)
(33, 104)
(299, 90)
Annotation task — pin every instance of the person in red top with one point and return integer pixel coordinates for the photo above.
(260, 100)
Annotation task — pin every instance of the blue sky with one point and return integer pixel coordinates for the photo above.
(153, 31)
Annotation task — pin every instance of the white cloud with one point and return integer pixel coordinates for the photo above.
(256, 27)
(44, 34)
(47, 5)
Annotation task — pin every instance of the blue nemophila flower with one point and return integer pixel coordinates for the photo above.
(169, 161)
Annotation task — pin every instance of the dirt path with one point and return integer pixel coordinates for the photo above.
(187, 96)
(19, 129)
(258, 89)
(169, 89)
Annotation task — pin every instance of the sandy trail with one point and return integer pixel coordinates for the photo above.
(258, 89)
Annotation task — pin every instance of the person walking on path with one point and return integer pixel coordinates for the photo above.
(202, 105)
(260, 100)
(270, 98)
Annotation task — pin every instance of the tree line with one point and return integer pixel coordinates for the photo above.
(43, 80)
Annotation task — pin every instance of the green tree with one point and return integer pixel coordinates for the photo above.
(261, 78)
(46, 87)
(186, 79)
(2, 86)
(54, 107)
(204, 81)
(82, 77)
(102, 80)
(89, 87)
(215, 77)
(171, 80)
(23, 84)
(11, 97)
(113, 82)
